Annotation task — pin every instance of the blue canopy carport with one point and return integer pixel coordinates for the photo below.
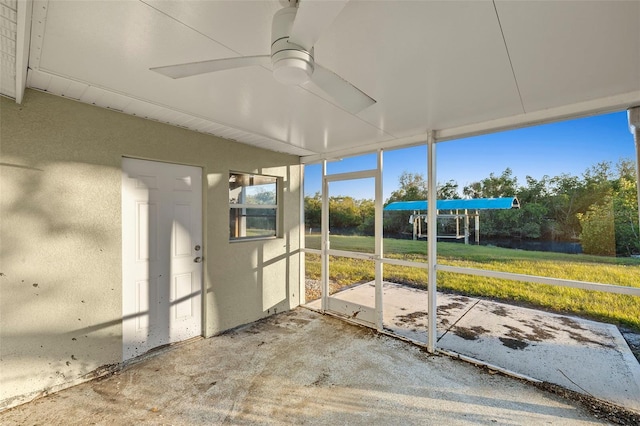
(456, 209)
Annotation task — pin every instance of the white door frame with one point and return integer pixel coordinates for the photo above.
(162, 285)
(364, 313)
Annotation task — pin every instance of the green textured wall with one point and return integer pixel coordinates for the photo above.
(61, 237)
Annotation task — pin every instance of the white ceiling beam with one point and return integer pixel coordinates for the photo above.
(23, 40)
(597, 106)
(565, 112)
(405, 142)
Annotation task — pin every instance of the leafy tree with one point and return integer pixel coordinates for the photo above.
(531, 220)
(473, 190)
(505, 185)
(565, 192)
(598, 183)
(536, 191)
(313, 211)
(610, 223)
(626, 168)
(412, 187)
(343, 212)
(368, 215)
(598, 235)
(448, 190)
(625, 207)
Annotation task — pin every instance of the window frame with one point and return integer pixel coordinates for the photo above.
(243, 207)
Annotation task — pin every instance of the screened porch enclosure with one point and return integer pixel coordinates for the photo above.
(462, 299)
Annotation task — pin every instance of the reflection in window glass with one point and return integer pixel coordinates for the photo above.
(253, 208)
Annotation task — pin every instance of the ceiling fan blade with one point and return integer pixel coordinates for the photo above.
(203, 67)
(340, 90)
(312, 18)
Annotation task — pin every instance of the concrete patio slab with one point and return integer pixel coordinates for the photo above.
(301, 367)
(584, 356)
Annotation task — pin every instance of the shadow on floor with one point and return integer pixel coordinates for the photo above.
(301, 367)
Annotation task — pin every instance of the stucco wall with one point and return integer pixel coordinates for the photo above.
(61, 237)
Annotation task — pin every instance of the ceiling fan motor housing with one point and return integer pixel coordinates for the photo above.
(292, 64)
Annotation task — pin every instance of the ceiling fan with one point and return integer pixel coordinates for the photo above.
(294, 31)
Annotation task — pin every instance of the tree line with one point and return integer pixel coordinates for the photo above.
(598, 208)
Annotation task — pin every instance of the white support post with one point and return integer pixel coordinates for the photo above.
(302, 244)
(415, 225)
(466, 227)
(23, 41)
(379, 245)
(636, 136)
(432, 237)
(634, 125)
(477, 228)
(324, 238)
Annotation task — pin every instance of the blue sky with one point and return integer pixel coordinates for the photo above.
(552, 149)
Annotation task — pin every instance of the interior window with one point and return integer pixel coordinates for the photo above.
(253, 206)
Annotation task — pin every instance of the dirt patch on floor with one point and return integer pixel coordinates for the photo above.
(443, 310)
(313, 292)
(472, 333)
(536, 334)
(513, 343)
(411, 318)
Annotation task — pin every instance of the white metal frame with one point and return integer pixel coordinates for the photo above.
(584, 285)
(432, 265)
(364, 313)
(23, 39)
(432, 239)
(302, 297)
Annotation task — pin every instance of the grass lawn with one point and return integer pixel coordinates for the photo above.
(613, 308)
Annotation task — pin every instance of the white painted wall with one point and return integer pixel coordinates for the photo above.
(61, 239)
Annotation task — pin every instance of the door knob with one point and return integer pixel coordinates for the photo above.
(198, 259)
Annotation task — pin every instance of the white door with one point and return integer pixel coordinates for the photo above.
(162, 254)
(350, 185)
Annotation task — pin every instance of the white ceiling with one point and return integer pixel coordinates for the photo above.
(452, 67)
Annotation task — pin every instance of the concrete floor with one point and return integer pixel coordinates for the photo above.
(584, 356)
(300, 367)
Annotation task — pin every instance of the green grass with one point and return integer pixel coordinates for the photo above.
(613, 308)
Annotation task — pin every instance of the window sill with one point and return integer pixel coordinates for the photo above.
(245, 239)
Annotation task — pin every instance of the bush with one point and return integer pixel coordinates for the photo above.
(598, 229)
